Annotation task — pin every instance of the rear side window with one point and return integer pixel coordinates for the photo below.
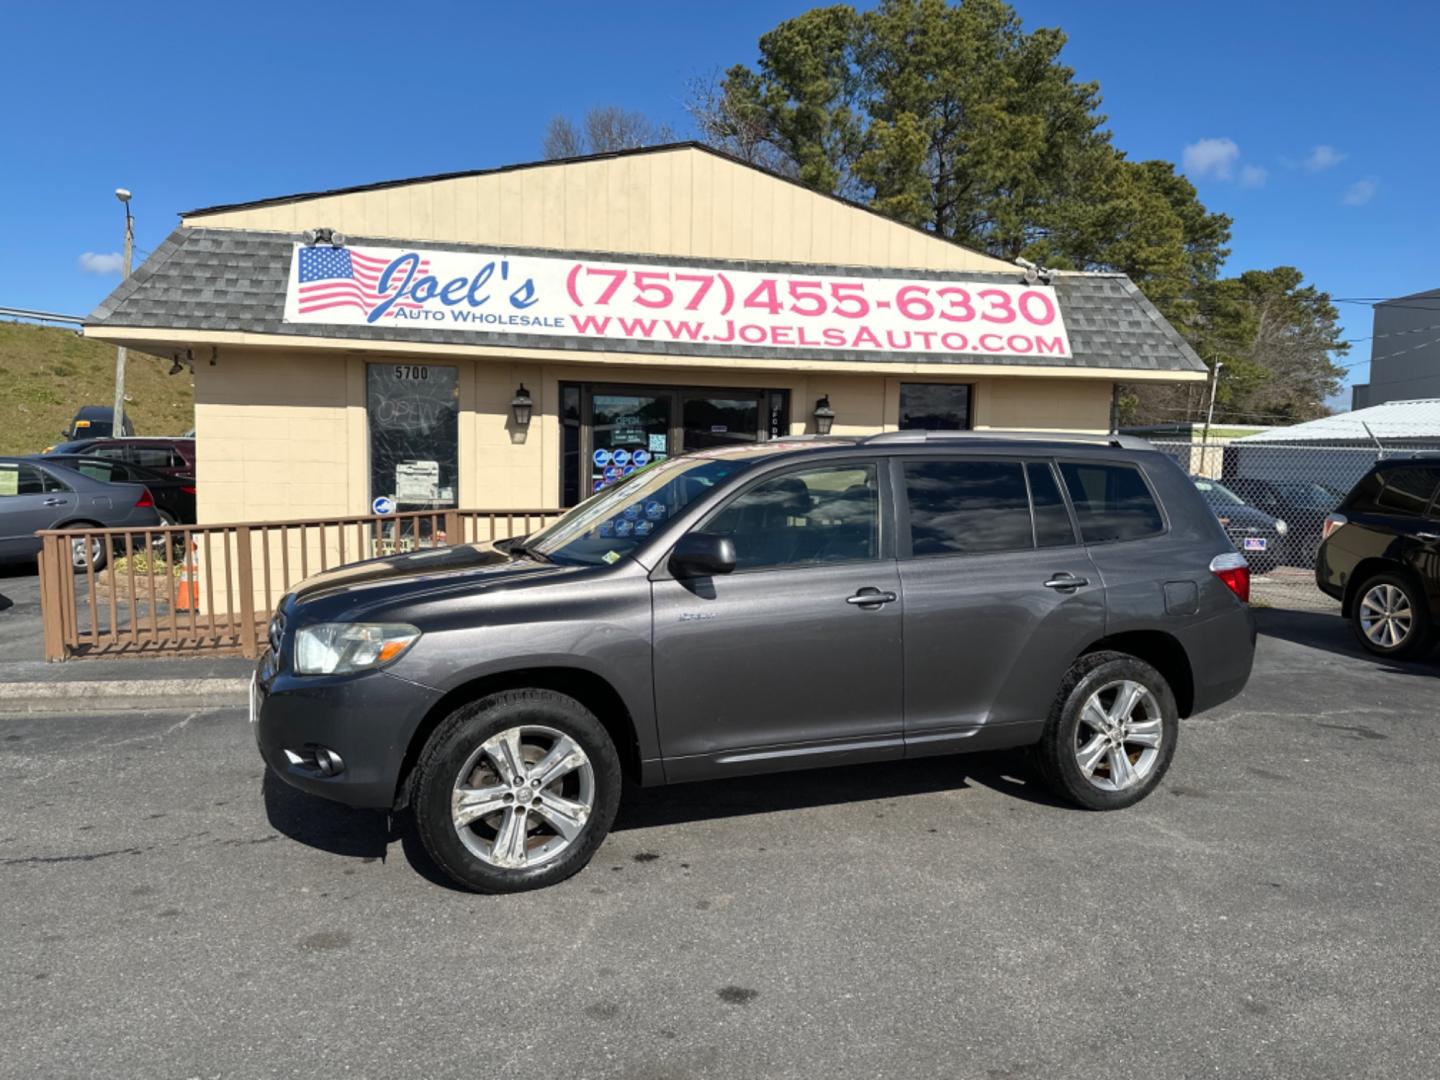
(155, 457)
(1112, 501)
(967, 507)
(1406, 490)
(96, 470)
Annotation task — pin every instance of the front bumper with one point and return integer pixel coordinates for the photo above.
(366, 719)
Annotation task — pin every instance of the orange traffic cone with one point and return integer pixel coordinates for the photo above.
(187, 592)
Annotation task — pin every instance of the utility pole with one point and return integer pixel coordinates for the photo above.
(117, 420)
(1209, 416)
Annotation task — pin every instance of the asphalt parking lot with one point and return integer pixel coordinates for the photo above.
(1269, 912)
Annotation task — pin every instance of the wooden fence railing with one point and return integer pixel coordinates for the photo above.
(211, 588)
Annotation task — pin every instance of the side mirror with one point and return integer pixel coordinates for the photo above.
(702, 555)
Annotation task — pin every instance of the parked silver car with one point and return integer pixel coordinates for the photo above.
(37, 495)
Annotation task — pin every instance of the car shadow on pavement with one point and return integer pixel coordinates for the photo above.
(319, 823)
(1007, 771)
(1330, 633)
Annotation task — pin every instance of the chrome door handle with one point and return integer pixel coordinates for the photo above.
(1066, 581)
(867, 597)
(1427, 536)
(53, 502)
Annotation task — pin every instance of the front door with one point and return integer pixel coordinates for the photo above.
(998, 599)
(795, 658)
(628, 430)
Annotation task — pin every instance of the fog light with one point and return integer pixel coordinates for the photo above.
(320, 759)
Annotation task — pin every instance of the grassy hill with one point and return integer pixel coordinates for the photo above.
(47, 373)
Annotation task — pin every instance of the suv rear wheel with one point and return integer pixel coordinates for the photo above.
(1390, 617)
(516, 791)
(1111, 733)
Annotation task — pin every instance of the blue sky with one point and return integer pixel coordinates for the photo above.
(1313, 126)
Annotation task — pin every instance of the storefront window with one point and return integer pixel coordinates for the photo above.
(934, 406)
(413, 414)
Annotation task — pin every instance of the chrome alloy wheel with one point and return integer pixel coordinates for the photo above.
(1386, 616)
(1117, 742)
(523, 797)
(84, 552)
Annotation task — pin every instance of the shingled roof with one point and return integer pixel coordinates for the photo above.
(207, 280)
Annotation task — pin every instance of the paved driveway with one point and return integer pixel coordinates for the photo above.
(1269, 912)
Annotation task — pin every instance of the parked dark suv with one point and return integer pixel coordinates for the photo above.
(1381, 556)
(757, 609)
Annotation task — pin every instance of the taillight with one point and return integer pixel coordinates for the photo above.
(145, 500)
(1332, 522)
(187, 490)
(1234, 571)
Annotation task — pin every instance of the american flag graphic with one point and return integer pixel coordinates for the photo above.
(332, 277)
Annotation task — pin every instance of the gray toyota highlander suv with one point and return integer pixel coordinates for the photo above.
(786, 605)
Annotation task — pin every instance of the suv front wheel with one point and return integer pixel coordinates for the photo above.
(1111, 733)
(516, 791)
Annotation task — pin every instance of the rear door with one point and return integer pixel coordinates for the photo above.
(999, 594)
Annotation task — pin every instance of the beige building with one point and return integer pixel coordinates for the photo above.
(519, 337)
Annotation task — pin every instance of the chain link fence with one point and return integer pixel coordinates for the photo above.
(1272, 494)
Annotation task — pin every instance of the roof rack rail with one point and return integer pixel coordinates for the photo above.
(1128, 442)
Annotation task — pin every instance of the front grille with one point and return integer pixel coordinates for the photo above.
(277, 631)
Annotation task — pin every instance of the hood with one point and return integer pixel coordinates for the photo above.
(419, 571)
(1243, 517)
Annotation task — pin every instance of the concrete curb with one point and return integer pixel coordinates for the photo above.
(26, 698)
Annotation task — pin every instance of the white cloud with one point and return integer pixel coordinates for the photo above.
(1360, 192)
(1211, 157)
(94, 263)
(1322, 158)
(1253, 176)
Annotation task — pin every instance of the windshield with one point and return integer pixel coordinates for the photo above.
(1215, 494)
(608, 526)
(1308, 495)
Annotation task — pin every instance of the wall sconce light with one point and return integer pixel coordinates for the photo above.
(521, 407)
(824, 416)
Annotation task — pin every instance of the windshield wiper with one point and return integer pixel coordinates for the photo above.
(522, 548)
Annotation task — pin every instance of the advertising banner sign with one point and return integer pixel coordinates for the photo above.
(681, 305)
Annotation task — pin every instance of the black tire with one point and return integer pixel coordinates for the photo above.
(459, 737)
(1419, 633)
(1057, 750)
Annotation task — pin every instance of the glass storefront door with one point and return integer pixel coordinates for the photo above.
(610, 431)
(627, 432)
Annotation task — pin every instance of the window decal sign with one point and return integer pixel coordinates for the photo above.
(681, 305)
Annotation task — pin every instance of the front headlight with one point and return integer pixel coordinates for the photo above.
(1281, 527)
(338, 648)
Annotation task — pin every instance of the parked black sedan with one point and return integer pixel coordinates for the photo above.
(1301, 504)
(1259, 536)
(174, 495)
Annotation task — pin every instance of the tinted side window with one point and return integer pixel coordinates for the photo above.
(802, 518)
(1052, 519)
(26, 480)
(1406, 490)
(97, 470)
(153, 457)
(966, 507)
(116, 452)
(1111, 501)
